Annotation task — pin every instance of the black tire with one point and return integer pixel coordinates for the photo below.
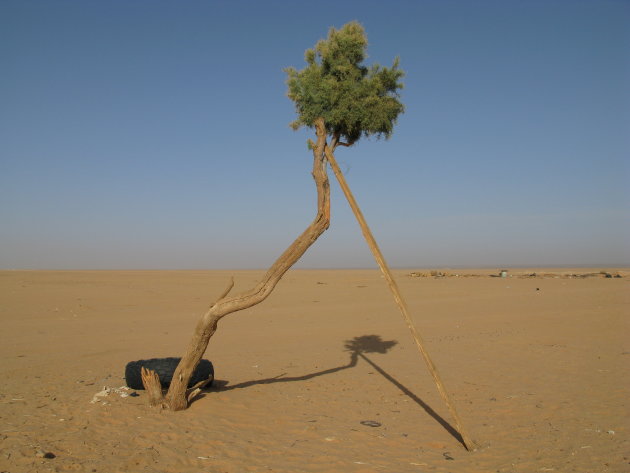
(165, 367)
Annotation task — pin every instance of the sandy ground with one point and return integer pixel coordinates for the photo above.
(538, 368)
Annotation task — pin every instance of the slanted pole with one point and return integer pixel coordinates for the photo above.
(380, 260)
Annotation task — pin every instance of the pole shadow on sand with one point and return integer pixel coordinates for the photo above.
(357, 347)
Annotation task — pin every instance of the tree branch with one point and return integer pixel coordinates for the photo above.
(226, 291)
(196, 389)
(336, 141)
(153, 387)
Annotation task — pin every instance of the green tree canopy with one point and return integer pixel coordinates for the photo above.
(353, 100)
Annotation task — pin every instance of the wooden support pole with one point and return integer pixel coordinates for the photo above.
(378, 256)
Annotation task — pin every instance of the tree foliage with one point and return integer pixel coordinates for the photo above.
(354, 100)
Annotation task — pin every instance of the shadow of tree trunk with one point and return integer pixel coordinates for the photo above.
(288, 379)
(357, 347)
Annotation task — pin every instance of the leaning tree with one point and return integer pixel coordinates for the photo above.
(341, 100)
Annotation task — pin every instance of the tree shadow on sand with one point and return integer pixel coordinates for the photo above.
(358, 347)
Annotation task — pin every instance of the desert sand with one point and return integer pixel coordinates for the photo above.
(539, 368)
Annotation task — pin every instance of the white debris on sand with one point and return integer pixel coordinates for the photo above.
(122, 391)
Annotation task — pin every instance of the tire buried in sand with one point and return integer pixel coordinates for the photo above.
(165, 367)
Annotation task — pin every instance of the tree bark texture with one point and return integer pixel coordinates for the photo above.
(176, 398)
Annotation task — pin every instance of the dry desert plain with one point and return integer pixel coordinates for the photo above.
(539, 368)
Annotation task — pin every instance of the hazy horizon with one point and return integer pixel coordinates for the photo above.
(508, 267)
(154, 135)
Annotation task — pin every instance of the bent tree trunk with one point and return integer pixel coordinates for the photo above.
(176, 397)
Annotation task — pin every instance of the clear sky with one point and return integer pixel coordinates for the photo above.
(154, 134)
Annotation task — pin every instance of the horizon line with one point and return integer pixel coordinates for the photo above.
(348, 268)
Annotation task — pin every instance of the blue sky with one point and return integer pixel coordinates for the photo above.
(153, 134)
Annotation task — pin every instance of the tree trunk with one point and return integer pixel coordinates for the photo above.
(176, 398)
